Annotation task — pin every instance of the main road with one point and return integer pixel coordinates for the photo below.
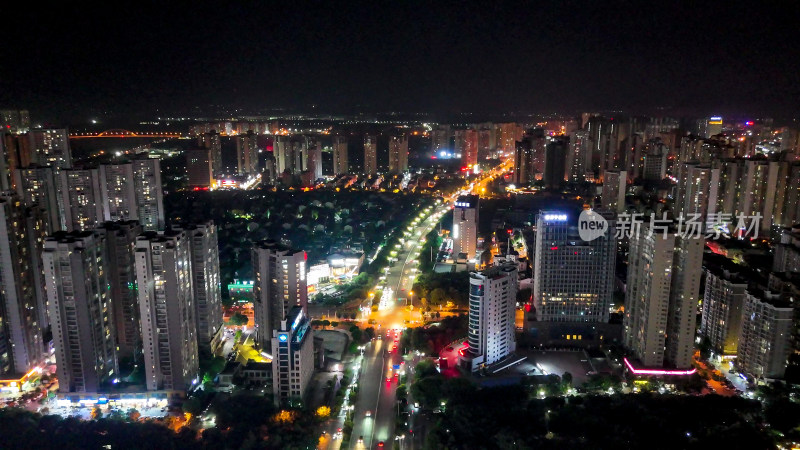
(376, 408)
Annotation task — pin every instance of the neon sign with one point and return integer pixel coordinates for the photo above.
(657, 371)
(555, 217)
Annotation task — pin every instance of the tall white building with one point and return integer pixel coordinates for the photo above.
(292, 347)
(312, 159)
(282, 150)
(725, 290)
(614, 185)
(120, 242)
(492, 302)
(683, 299)
(21, 346)
(340, 159)
(80, 202)
(205, 279)
(764, 344)
(573, 279)
(398, 154)
(697, 191)
(280, 285)
(166, 308)
(149, 193)
(465, 226)
(661, 299)
(370, 155)
(117, 192)
(247, 154)
(80, 311)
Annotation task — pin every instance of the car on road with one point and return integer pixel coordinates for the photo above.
(368, 413)
(380, 444)
(361, 439)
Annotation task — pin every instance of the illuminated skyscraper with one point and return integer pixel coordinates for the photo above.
(21, 346)
(120, 242)
(725, 288)
(247, 154)
(280, 285)
(80, 310)
(661, 299)
(573, 279)
(398, 154)
(206, 283)
(340, 160)
(37, 186)
(697, 191)
(440, 139)
(469, 150)
(80, 200)
(713, 126)
(149, 193)
(167, 310)
(50, 147)
(117, 192)
(465, 226)
(293, 357)
(213, 143)
(492, 307)
(370, 155)
(767, 325)
(312, 161)
(579, 158)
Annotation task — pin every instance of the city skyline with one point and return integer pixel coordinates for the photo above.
(556, 58)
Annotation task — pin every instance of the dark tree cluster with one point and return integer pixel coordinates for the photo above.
(506, 417)
(432, 339)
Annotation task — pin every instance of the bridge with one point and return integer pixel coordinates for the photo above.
(119, 133)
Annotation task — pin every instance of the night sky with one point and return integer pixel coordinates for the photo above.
(69, 62)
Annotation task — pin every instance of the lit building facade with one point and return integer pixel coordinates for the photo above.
(166, 308)
(492, 308)
(280, 285)
(398, 154)
(80, 311)
(764, 345)
(292, 357)
(573, 279)
(149, 193)
(465, 226)
(206, 283)
(21, 345)
(120, 240)
(370, 155)
(340, 155)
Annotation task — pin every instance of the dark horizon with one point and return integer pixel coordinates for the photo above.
(70, 64)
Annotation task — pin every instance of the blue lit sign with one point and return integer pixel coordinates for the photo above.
(283, 337)
(555, 217)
